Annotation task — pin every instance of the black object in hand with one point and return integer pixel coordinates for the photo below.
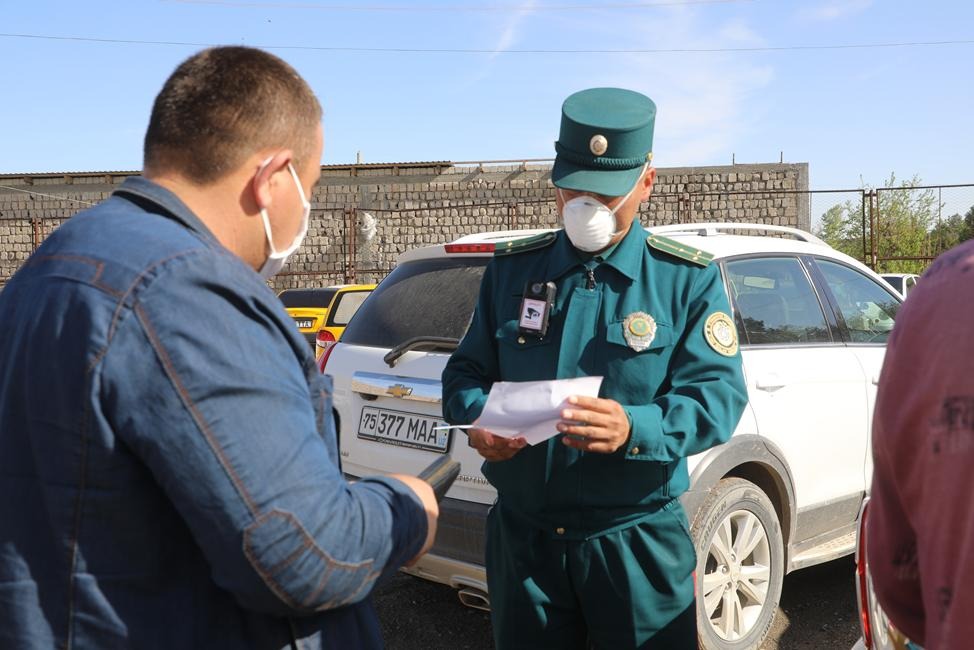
(440, 474)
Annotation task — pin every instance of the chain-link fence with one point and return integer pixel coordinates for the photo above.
(891, 229)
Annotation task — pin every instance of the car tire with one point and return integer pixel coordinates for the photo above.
(740, 566)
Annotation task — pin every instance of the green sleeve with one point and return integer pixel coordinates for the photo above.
(707, 392)
(472, 368)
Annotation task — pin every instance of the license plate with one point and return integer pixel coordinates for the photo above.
(304, 323)
(404, 429)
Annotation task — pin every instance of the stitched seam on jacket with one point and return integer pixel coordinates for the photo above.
(330, 562)
(138, 279)
(194, 411)
(338, 602)
(98, 264)
(78, 508)
(113, 326)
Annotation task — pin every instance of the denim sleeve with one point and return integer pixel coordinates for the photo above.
(203, 382)
(707, 393)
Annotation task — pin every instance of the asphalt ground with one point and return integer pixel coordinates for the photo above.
(817, 611)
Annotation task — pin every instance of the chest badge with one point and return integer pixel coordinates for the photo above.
(721, 334)
(639, 330)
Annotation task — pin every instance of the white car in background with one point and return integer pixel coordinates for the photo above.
(902, 282)
(782, 494)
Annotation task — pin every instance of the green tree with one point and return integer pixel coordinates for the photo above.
(841, 228)
(903, 228)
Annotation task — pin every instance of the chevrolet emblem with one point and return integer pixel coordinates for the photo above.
(399, 390)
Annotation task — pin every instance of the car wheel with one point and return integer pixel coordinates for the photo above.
(740, 565)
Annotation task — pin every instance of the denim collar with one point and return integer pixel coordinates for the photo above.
(625, 257)
(155, 198)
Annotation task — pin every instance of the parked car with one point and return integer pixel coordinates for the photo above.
(343, 306)
(783, 493)
(902, 282)
(878, 632)
(322, 313)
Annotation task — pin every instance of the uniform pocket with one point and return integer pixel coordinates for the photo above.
(523, 357)
(636, 374)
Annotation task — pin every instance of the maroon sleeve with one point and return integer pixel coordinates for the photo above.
(920, 528)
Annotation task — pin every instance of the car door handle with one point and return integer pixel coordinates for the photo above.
(770, 382)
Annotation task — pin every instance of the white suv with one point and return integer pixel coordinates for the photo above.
(783, 493)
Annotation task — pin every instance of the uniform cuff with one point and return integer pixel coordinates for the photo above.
(645, 432)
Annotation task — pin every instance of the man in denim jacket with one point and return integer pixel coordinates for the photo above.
(169, 473)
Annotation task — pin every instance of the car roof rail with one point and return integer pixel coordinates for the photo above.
(712, 229)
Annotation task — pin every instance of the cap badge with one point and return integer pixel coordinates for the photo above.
(598, 145)
(639, 330)
(721, 334)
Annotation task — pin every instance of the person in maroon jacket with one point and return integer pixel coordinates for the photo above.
(920, 529)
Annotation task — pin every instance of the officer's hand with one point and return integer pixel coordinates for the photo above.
(493, 447)
(425, 495)
(605, 428)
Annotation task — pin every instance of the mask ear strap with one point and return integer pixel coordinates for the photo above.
(263, 211)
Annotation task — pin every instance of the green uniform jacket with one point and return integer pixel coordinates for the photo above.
(682, 396)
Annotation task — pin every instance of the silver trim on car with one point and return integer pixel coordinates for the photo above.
(406, 388)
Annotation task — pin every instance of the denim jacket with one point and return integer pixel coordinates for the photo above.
(169, 471)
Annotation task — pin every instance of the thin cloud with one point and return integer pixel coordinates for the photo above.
(834, 9)
(706, 104)
(512, 29)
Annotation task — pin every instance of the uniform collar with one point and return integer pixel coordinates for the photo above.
(625, 257)
(155, 198)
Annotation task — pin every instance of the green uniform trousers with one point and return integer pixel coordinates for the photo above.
(629, 588)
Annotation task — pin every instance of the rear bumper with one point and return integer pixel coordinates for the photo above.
(447, 571)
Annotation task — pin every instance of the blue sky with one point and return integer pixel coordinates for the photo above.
(853, 114)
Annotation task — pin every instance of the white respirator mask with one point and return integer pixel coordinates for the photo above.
(589, 223)
(276, 259)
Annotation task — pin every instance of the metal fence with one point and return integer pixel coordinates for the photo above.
(890, 229)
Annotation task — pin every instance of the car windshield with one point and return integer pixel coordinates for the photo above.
(433, 297)
(317, 298)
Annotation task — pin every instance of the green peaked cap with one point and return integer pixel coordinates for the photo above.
(605, 140)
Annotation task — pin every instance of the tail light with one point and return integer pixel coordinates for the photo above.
(323, 359)
(862, 581)
(469, 248)
(325, 339)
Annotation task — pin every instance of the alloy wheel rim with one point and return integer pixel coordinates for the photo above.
(737, 575)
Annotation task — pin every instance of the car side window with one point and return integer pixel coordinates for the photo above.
(866, 307)
(347, 303)
(910, 283)
(774, 302)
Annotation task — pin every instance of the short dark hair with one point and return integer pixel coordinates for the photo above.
(223, 104)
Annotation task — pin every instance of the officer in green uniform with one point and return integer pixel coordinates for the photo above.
(587, 544)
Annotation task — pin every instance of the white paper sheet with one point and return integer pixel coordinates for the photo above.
(531, 409)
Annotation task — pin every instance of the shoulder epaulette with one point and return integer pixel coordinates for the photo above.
(679, 249)
(526, 244)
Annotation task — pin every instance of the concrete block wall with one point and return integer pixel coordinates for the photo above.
(415, 204)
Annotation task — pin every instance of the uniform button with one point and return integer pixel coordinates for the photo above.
(560, 531)
(520, 340)
(634, 451)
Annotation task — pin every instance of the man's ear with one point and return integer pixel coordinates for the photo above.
(267, 176)
(649, 177)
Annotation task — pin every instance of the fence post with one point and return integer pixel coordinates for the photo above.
(349, 218)
(36, 234)
(512, 216)
(873, 227)
(862, 208)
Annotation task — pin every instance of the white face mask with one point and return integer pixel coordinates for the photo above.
(589, 223)
(275, 261)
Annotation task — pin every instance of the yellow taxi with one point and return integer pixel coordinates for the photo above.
(321, 314)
